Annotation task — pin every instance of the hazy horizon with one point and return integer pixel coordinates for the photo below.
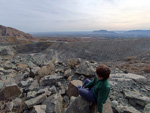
(75, 15)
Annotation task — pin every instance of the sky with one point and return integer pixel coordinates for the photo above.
(75, 15)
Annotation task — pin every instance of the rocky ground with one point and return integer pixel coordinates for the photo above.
(35, 77)
(38, 83)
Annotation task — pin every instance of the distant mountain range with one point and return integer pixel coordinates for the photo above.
(97, 34)
(12, 32)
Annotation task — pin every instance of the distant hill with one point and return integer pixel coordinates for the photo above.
(12, 35)
(103, 31)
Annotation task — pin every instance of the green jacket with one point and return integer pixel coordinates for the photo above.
(101, 89)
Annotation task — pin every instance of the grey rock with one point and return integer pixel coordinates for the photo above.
(114, 103)
(53, 90)
(86, 69)
(26, 83)
(54, 104)
(127, 109)
(135, 98)
(34, 85)
(50, 79)
(37, 100)
(147, 108)
(79, 105)
(40, 109)
(1, 84)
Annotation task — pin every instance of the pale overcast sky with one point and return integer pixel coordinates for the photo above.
(75, 15)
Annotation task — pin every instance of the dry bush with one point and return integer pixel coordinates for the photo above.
(147, 69)
(73, 62)
(130, 58)
(46, 70)
(23, 66)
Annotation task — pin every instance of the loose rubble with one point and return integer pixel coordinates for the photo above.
(35, 83)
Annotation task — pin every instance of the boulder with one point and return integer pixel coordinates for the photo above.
(37, 100)
(135, 98)
(73, 88)
(126, 109)
(79, 105)
(127, 77)
(11, 91)
(54, 104)
(147, 108)
(50, 79)
(86, 68)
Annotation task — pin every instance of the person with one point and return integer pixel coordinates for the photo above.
(98, 89)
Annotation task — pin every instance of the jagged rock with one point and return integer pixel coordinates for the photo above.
(34, 85)
(54, 104)
(37, 100)
(147, 108)
(65, 101)
(135, 98)
(26, 83)
(73, 88)
(9, 66)
(53, 90)
(40, 109)
(34, 71)
(11, 91)
(79, 105)
(126, 109)
(32, 94)
(50, 79)
(86, 69)
(17, 103)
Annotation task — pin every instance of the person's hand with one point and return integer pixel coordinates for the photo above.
(97, 112)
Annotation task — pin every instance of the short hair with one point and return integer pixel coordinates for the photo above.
(103, 71)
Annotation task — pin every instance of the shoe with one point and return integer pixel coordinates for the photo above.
(79, 86)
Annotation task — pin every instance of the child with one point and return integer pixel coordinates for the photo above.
(98, 89)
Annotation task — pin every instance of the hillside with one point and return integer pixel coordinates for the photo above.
(11, 35)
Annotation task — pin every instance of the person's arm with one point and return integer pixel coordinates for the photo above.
(90, 84)
(102, 97)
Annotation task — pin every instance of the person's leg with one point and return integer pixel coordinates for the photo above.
(86, 82)
(87, 94)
